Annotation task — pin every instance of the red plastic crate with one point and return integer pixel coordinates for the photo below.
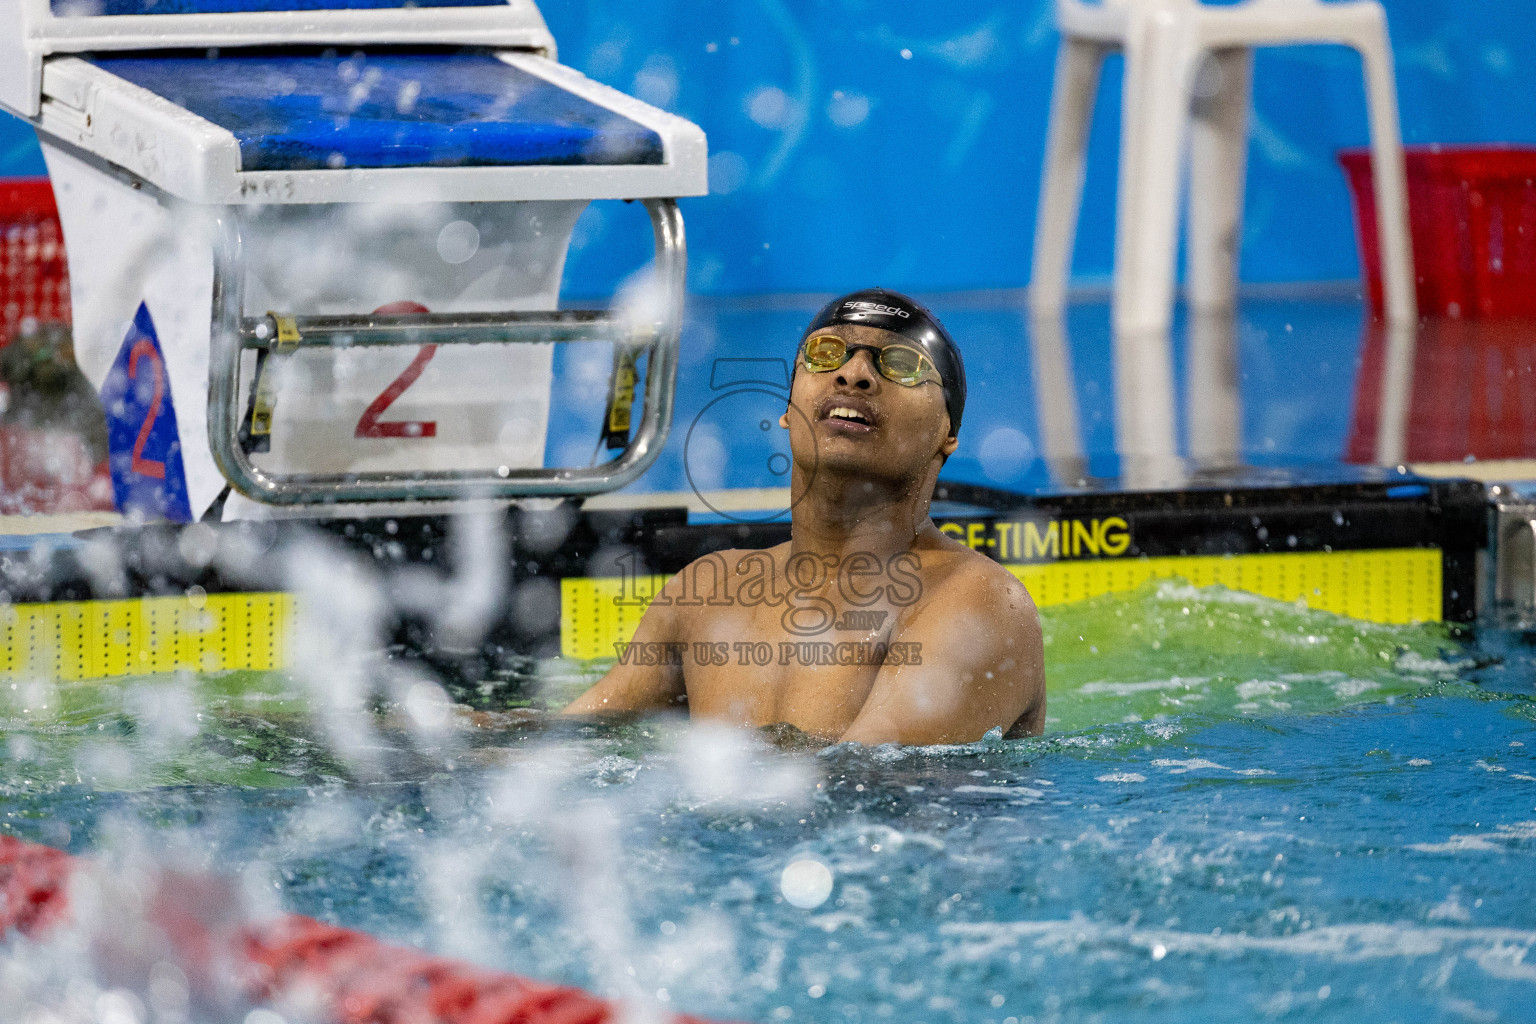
(1472, 215)
(1474, 391)
(34, 277)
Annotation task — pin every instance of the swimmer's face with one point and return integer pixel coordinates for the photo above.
(853, 419)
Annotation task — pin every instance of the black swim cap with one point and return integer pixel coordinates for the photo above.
(903, 315)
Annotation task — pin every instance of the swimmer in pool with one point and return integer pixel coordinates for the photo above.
(869, 625)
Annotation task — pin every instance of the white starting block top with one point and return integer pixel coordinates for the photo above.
(31, 31)
(329, 119)
(348, 138)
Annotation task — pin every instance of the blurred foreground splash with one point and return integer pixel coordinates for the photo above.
(1242, 809)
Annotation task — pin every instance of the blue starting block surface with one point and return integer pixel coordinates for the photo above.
(437, 109)
(110, 8)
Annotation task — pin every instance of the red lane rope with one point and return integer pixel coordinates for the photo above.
(32, 880)
(340, 975)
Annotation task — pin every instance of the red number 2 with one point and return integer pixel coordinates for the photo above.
(370, 426)
(140, 465)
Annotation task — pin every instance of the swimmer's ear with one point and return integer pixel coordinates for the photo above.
(951, 438)
(784, 419)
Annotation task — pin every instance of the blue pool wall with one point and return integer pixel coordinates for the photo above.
(839, 161)
(1298, 355)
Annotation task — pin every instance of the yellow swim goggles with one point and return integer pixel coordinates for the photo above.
(899, 363)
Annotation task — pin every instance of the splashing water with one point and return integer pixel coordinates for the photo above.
(1241, 809)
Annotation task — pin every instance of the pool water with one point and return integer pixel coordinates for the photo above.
(1241, 810)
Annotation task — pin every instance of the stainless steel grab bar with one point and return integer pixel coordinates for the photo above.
(233, 332)
(368, 330)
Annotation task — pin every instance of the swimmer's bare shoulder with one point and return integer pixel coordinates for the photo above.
(979, 658)
(637, 687)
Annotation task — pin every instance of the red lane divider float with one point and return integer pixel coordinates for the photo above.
(32, 882)
(330, 973)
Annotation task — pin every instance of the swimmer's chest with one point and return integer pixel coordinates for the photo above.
(754, 671)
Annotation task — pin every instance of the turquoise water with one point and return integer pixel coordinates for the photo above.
(1241, 811)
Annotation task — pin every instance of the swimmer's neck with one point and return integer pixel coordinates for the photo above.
(834, 514)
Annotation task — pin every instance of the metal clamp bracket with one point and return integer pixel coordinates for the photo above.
(277, 336)
(1512, 588)
(286, 339)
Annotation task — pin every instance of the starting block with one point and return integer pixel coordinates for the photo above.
(316, 246)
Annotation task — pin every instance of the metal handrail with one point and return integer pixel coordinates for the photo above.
(458, 328)
(233, 332)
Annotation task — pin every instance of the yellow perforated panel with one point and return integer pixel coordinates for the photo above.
(596, 613)
(100, 639)
(1391, 586)
(71, 640)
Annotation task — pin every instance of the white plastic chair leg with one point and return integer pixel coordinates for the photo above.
(1078, 63)
(1213, 399)
(1159, 65)
(1390, 175)
(1144, 399)
(1159, 60)
(1061, 436)
(1396, 396)
(1218, 149)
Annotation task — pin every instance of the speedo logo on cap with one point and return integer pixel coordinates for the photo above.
(875, 307)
